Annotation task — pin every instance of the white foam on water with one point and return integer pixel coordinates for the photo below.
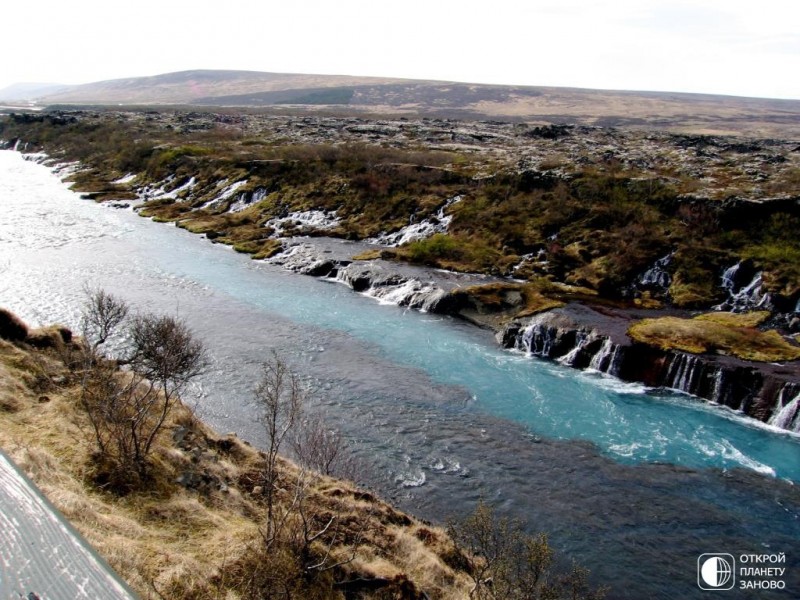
(313, 219)
(730, 452)
(224, 194)
(125, 179)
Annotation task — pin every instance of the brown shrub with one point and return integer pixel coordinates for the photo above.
(11, 327)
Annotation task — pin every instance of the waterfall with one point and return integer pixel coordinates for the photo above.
(411, 293)
(225, 194)
(787, 416)
(607, 358)
(683, 372)
(542, 339)
(569, 358)
(728, 278)
(747, 297)
(537, 339)
(418, 231)
(750, 295)
(246, 199)
(311, 219)
(657, 275)
(392, 288)
(16, 145)
(717, 395)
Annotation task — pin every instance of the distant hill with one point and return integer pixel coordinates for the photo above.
(29, 91)
(696, 113)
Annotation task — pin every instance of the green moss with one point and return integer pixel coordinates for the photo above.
(268, 249)
(729, 319)
(247, 247)
(368, 255)
(433, 250)
(708, 335)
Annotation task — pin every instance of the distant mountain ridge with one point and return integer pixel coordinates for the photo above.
(21, 92)
(696, 113)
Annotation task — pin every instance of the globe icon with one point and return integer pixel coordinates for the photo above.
(716, 572)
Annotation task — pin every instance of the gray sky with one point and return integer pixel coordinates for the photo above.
(738, 47)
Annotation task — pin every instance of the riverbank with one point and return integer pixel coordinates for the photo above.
(590, 332)
(563, 324)
(196, 528)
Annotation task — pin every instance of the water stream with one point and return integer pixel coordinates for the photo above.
(631, 483)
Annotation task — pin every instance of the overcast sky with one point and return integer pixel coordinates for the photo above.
(738, 47)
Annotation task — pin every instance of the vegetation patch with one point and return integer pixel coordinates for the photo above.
(728, 334)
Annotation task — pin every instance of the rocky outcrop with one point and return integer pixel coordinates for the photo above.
(575, 335)
(413, 287)
(584, 337)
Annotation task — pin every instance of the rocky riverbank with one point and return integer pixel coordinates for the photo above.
(571, 253)
(577, 335)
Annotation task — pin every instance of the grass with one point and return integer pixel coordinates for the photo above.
(721, 333)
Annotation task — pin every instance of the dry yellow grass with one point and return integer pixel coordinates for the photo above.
(729, 319)
(723, 333)
(169, 541)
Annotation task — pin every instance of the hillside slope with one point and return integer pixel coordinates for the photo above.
(675, 111)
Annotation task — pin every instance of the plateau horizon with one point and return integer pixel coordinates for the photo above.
(708, 47)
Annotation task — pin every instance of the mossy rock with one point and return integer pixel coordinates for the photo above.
(714, 334)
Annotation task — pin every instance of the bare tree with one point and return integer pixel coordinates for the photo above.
(295, 526)
(279, 395)
(102, 315)
(318, 446)
(128, 409)
(165, 351)
(506, 563)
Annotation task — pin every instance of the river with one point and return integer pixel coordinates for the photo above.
(632, 483)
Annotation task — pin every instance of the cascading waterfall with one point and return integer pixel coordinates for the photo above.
(607, 359)
(390, 289)
(720, 391)
(788, 417)
(314, 219)
(537, 339)
(411, 293)
(746, 297)
(225, 194)
(684, 373)
(569, 358)
(246, 199)
(588, 349)
(657, 275)
(418, 231)
(729, 278)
